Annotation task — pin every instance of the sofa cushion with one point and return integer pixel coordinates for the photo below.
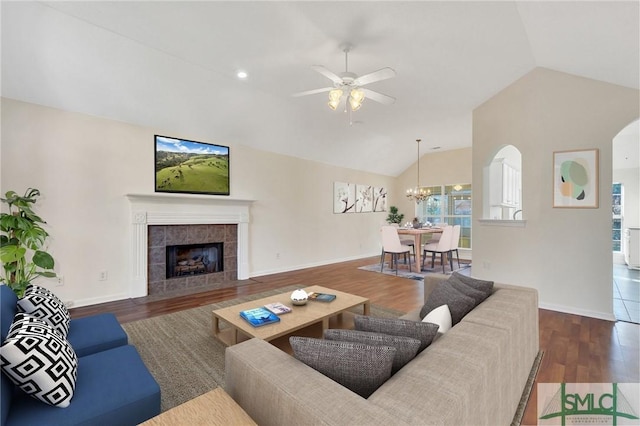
(445, 294)
(41, 303)
(359, 367)
(477, 295)
(484, 286)
(422, 331)
(406, 347)
(441, 316)
(114, 387)
(96, 333)
(39, 361)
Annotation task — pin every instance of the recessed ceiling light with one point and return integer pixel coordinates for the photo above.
(242, 74)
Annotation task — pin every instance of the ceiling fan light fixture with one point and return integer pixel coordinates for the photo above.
(356, 98)
(334, 98)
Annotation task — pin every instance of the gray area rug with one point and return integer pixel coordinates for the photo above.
(403, 271)
(183, 356)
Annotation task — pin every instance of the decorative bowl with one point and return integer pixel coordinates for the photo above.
(299, 297)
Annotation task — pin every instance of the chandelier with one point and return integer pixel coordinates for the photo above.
(417, 194)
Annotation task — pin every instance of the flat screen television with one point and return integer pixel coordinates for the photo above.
(184, 166)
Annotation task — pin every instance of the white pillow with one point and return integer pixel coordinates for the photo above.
(440, 316)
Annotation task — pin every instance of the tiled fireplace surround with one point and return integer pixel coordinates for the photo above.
(161, 236)
(186, 219)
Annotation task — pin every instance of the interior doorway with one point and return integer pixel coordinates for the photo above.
(626, 219)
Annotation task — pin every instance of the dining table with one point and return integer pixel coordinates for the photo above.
(417, 235)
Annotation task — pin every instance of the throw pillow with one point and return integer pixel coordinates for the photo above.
(440, 316)
(406, 347)
(484, 286)
(39, 361)
(477, 295)
(41, 303)
(356, 366)
(398, 327)
(444, 294)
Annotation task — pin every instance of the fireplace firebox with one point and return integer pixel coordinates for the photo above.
(194, 259)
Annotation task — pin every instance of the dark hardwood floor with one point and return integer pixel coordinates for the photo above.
(576, 349)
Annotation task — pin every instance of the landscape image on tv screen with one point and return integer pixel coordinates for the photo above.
(191, 167)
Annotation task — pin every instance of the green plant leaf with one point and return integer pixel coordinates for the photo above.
(11, 253)
(43, 259)
(33, 237)
(47, 274)
(7, 222)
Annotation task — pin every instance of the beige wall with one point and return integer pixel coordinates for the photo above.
(439, 168)
(84, 166)
(564, 253)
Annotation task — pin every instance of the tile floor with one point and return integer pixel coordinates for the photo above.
(626, 293)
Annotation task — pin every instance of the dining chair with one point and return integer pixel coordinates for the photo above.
(435, 237)
(391, 244)
(455, 242)
(443, 246)
(406, 241)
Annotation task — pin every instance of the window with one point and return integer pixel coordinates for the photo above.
(448, 204)
(616, 211)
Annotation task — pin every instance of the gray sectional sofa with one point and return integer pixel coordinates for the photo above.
(474, 374)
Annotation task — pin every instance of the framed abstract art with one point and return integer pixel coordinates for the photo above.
(575, 179)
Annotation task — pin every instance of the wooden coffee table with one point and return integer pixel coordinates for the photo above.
(313, 312)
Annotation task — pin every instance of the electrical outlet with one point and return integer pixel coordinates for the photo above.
(68, 303)
(103, 276)
(59, 280)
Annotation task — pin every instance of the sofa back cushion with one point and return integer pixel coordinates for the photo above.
(359, 367)
(424, 332)
(444, 294)
(406, 347)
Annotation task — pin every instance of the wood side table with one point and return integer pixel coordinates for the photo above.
(212, 408)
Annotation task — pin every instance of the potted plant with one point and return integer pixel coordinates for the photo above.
(394, 216)
(22, 239)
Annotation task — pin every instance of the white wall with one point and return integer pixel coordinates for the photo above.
(564, 253)
(84, 166)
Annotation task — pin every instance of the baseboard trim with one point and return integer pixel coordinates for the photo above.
(310, 265)
(577, 311)
(96, 300)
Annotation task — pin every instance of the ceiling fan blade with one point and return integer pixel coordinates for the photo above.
(312, 92)
(329, 74)
(381, 74)
(378, 97)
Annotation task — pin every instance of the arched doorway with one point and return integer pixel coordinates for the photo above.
(625, 232)
(503, 174)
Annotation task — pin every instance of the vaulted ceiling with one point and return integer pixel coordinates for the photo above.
(172, 66)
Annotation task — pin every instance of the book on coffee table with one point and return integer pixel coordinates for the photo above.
(278, 308)
(259, 316)
(321, 297)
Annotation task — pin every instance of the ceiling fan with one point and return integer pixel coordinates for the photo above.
(347, 86)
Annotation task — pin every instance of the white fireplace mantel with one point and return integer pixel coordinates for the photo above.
(182, 209)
